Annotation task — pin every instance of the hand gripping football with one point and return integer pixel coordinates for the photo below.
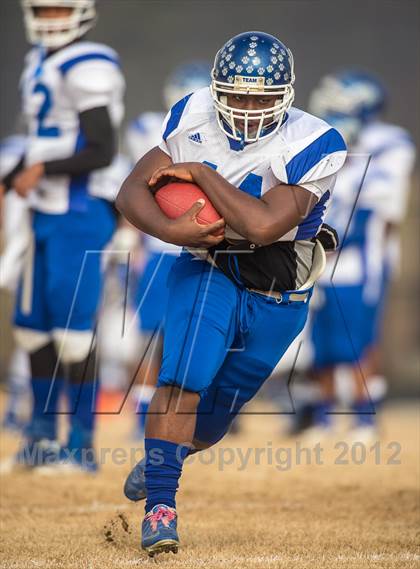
(176, 198)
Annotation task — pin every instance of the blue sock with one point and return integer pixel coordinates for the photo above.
(43, 423)
(322, 413)
(163, 469)
(82, 400)
(364, 413)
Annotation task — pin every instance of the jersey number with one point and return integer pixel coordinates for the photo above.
(44, 109)
(252, 184)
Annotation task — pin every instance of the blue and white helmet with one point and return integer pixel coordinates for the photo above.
(53, 33)
(185, 79)
(348, 100)
(252, 63)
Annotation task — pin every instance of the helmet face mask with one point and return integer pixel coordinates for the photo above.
(56, 32)
(252, 64)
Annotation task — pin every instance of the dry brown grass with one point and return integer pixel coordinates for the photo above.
(310, 516)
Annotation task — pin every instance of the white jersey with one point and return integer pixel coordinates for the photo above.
(12, 150)
(143, 134)
(392, 156)
(371, 191)
(55, 89)
(305, 151)
(16, 230)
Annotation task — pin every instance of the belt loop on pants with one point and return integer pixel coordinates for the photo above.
(285, 297)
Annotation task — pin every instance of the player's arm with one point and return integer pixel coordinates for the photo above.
(99, 149)
(136, 202)
(97, 152)
(261, 221)
(7, 181)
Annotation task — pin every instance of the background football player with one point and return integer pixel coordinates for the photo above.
(14, 246)
(369, 205)
(269, 170)
(72, 94)
(150, 298)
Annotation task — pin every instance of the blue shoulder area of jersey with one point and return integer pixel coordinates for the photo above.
(175, 116)
(328, 143)
(70, 63)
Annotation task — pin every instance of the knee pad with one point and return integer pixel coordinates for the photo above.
(73, 346)
(31, 340)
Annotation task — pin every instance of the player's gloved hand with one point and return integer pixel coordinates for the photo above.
(328, 237)
(186, 231)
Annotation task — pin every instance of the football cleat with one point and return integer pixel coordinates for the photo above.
(364, 434)
(317, 434)
(159, 533)
(37, 453)
(13, 423)
(135, 485)
(72, 461)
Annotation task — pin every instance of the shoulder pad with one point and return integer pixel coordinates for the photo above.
(188, 112)
(81, 52)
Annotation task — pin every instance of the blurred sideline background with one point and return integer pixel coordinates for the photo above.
(151, 37)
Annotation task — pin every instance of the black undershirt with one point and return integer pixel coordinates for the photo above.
(270, 267)
(98, 150)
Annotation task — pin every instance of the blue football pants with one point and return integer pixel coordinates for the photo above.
(222, 341)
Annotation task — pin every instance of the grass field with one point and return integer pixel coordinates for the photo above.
(231, 514)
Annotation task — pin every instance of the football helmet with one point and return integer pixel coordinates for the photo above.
(53, 33)
(185, 79)
(252, 63)
(347, 100)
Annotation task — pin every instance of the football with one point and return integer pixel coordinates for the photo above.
(176, 198)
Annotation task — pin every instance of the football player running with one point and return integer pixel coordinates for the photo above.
(369, 204)
(236, 300)
(143, 134)
(73, 104)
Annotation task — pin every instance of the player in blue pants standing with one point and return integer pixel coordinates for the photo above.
(269, 169)
(369, 206)
(72, 92)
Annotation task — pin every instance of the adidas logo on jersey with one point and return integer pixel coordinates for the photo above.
(196, 137)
